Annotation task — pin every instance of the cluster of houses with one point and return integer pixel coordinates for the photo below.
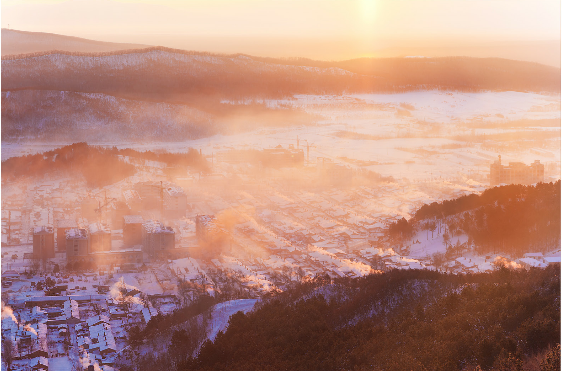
(44, 328)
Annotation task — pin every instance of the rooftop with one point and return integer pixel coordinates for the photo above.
(42, 229)
(98, 228)
(79, 233)
(131, 195)
(175, 191)
(154, 226)
(133, 219)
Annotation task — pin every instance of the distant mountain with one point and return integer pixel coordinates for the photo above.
(171, 75)
(24, 42)
(168, 94)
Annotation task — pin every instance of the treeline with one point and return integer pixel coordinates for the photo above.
(505, 320)
(118, 52)
(98, 165)
(163, 74)
(163, 323)
(513, 218)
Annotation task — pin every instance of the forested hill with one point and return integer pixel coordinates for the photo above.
(513, 219)
(171, 75)
(99, 166)
(399, 320)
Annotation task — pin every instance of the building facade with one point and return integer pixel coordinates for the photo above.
(175, 202)
(516, 173)
(100, 237)
(43, 243)
(157, 239)
(132, 230)
(63, 225)
(77, 244)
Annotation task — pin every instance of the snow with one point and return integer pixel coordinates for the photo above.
(533, 262)
(221, 314)
(148, 313)
(391, 148)
(188, 268)
(60, 364)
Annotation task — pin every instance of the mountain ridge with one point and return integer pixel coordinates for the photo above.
(165, 72)
(18, 42)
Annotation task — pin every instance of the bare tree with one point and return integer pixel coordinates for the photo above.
(76, 366)
(377, 263)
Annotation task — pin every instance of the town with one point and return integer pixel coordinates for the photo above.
(82, 266)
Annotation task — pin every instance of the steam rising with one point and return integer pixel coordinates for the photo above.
(500, 261)
(119, 290)
(7, 312)
(30, 329)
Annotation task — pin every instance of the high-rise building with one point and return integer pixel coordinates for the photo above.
(211, 237)
(43, 243)
(77, 244)
(100, 237)
(132, 230)
(63, 225)
(157, 239)
(204, 224)
(516, 173)
(175, 202)
(133, 200)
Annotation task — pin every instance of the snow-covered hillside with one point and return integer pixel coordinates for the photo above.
(94, 116)
(221, 314)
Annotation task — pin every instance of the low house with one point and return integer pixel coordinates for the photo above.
(39, 363)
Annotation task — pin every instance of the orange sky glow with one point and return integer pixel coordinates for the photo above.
(320, 29)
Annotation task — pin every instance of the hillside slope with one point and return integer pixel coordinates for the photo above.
(51, 116)
(173, 75)
(23, 42)
(399, 320)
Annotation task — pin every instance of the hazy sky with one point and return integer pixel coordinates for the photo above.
(334, 27)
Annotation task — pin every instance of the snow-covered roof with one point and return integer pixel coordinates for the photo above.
(148, 313)
(97, 319)
(37, 362)
(205, 219)
(104, 336)
(71, 309)
(78, 233)
(532, 262)
(42, 229)
(175, 191)
(154, 226)
(98, 228)
(133, 219)
(131, 195)
(10, 274)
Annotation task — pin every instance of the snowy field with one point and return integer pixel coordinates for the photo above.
(414, 135)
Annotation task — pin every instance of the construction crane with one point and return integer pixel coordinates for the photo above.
(100, 206)
(308, 146)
